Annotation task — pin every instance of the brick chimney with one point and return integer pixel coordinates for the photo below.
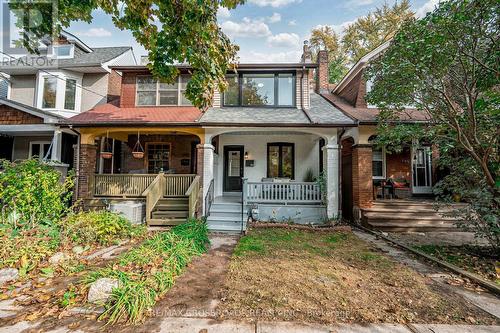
(322, 72)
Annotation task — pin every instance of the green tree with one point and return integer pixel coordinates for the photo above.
(172, 31)
(447, 65)
(372, 30)
(325, 38)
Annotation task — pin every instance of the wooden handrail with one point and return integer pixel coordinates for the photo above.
(193, 192)
(153, 194)
(120, 185)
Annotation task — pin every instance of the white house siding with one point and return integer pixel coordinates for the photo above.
(306, 154)
(23, 89)
(95, 92)
(304, 95)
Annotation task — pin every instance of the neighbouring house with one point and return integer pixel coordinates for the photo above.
(370, 174)
(268, 146)
(38, 91)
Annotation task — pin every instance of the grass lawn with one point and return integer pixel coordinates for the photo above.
(291, 275)
(474, 259)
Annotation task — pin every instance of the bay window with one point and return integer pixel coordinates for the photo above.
(260, 89)
(49, 92)
(59, 91)
(70, 94)
(152, 92)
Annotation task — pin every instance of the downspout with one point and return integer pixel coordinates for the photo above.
(77, 167)
(339, 142)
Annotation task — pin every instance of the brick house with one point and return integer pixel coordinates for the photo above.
(38, 91)
(257, 150)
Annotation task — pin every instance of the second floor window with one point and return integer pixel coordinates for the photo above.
(260, 89)
(59, 91)
(49, 92)
(151, 92)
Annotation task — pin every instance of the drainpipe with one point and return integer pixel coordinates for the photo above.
(339, 142)
(77, 167)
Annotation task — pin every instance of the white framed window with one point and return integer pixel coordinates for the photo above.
(378, 163)
(59, 91)
(66, 51)
(39, 149)
(151, 92)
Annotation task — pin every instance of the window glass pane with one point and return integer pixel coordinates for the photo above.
(258, 89)
(168, 97)
(46, 147)
(63, 51)
(35, 150)
(169, 86)
(287, 161)
(158, 157)
(231, 95)
(49, 92)
(377, 155)
(285, 89)
(185, 100)
(146, 98)
(234, 163)
(146, 83)
(69, 95)
(184, 81)
(377, 169)
(273, 161)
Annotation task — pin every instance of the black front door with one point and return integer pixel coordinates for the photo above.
(233, 168)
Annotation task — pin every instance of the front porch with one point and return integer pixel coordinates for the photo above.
(157, 168)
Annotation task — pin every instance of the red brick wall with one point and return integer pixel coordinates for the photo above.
(114, 86)
(86, 169)
(11, 116)
(127, 97)
(322, 73)
(398, 165)
(362, 182)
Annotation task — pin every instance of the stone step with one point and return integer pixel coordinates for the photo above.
(225, 206)
(224, 219)
(235, 215)
(226, 228)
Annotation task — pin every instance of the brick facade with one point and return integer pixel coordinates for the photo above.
(114, 86)
(11, 116)
(86, 169)
(398, 165)
(322, 72)
(362, 182)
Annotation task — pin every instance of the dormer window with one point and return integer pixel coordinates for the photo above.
(65, 51)
(260, 89)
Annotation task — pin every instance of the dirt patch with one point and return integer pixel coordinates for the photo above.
(296, 275)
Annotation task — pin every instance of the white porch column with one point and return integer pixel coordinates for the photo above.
(206, 164)
(331, 170)
(56, 154)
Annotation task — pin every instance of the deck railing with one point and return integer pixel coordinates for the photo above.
(153, 194)
(193, 193)
(120, 185)
(177, 185)
(286, 192)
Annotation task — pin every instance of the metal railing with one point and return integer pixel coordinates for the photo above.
(209, 198)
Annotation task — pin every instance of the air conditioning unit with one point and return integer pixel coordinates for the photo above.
(134, 211)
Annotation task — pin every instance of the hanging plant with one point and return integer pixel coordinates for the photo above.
(107, 151)
(138, 151)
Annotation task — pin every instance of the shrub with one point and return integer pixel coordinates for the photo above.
(31, 192)
(101, 227)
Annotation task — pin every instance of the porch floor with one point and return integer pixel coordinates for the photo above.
(231, 198)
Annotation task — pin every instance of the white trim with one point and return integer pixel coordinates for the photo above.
(41, 143)
(428, 167)
(157, 96)
(54, 55)
(115, 59)
(35, 129)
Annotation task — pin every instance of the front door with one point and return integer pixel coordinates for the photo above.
(233, 168)
(422, 170)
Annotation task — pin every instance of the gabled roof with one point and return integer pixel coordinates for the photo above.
(110, 114)
(359, 66)
(48, 117)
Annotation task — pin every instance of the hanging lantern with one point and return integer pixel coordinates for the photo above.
(138, 151)
(107, 151)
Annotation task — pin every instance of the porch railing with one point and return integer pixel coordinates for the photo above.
(287, 193)
(177, 185)
(193, 193)
(120, 185)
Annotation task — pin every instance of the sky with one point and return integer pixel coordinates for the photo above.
(265, 30)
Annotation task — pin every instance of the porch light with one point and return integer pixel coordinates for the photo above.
(246, 155)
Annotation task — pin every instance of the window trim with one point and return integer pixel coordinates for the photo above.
(61, 79)
(157, 97)
(280, 158)
(146, 157)
(276, 90)
(41, 143)
(384, 165)
(71, 51)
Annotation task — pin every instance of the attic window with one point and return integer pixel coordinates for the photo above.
(63, 51)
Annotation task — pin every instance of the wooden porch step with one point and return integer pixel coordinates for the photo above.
(170, 214)
(405, 215)
(166, 222)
